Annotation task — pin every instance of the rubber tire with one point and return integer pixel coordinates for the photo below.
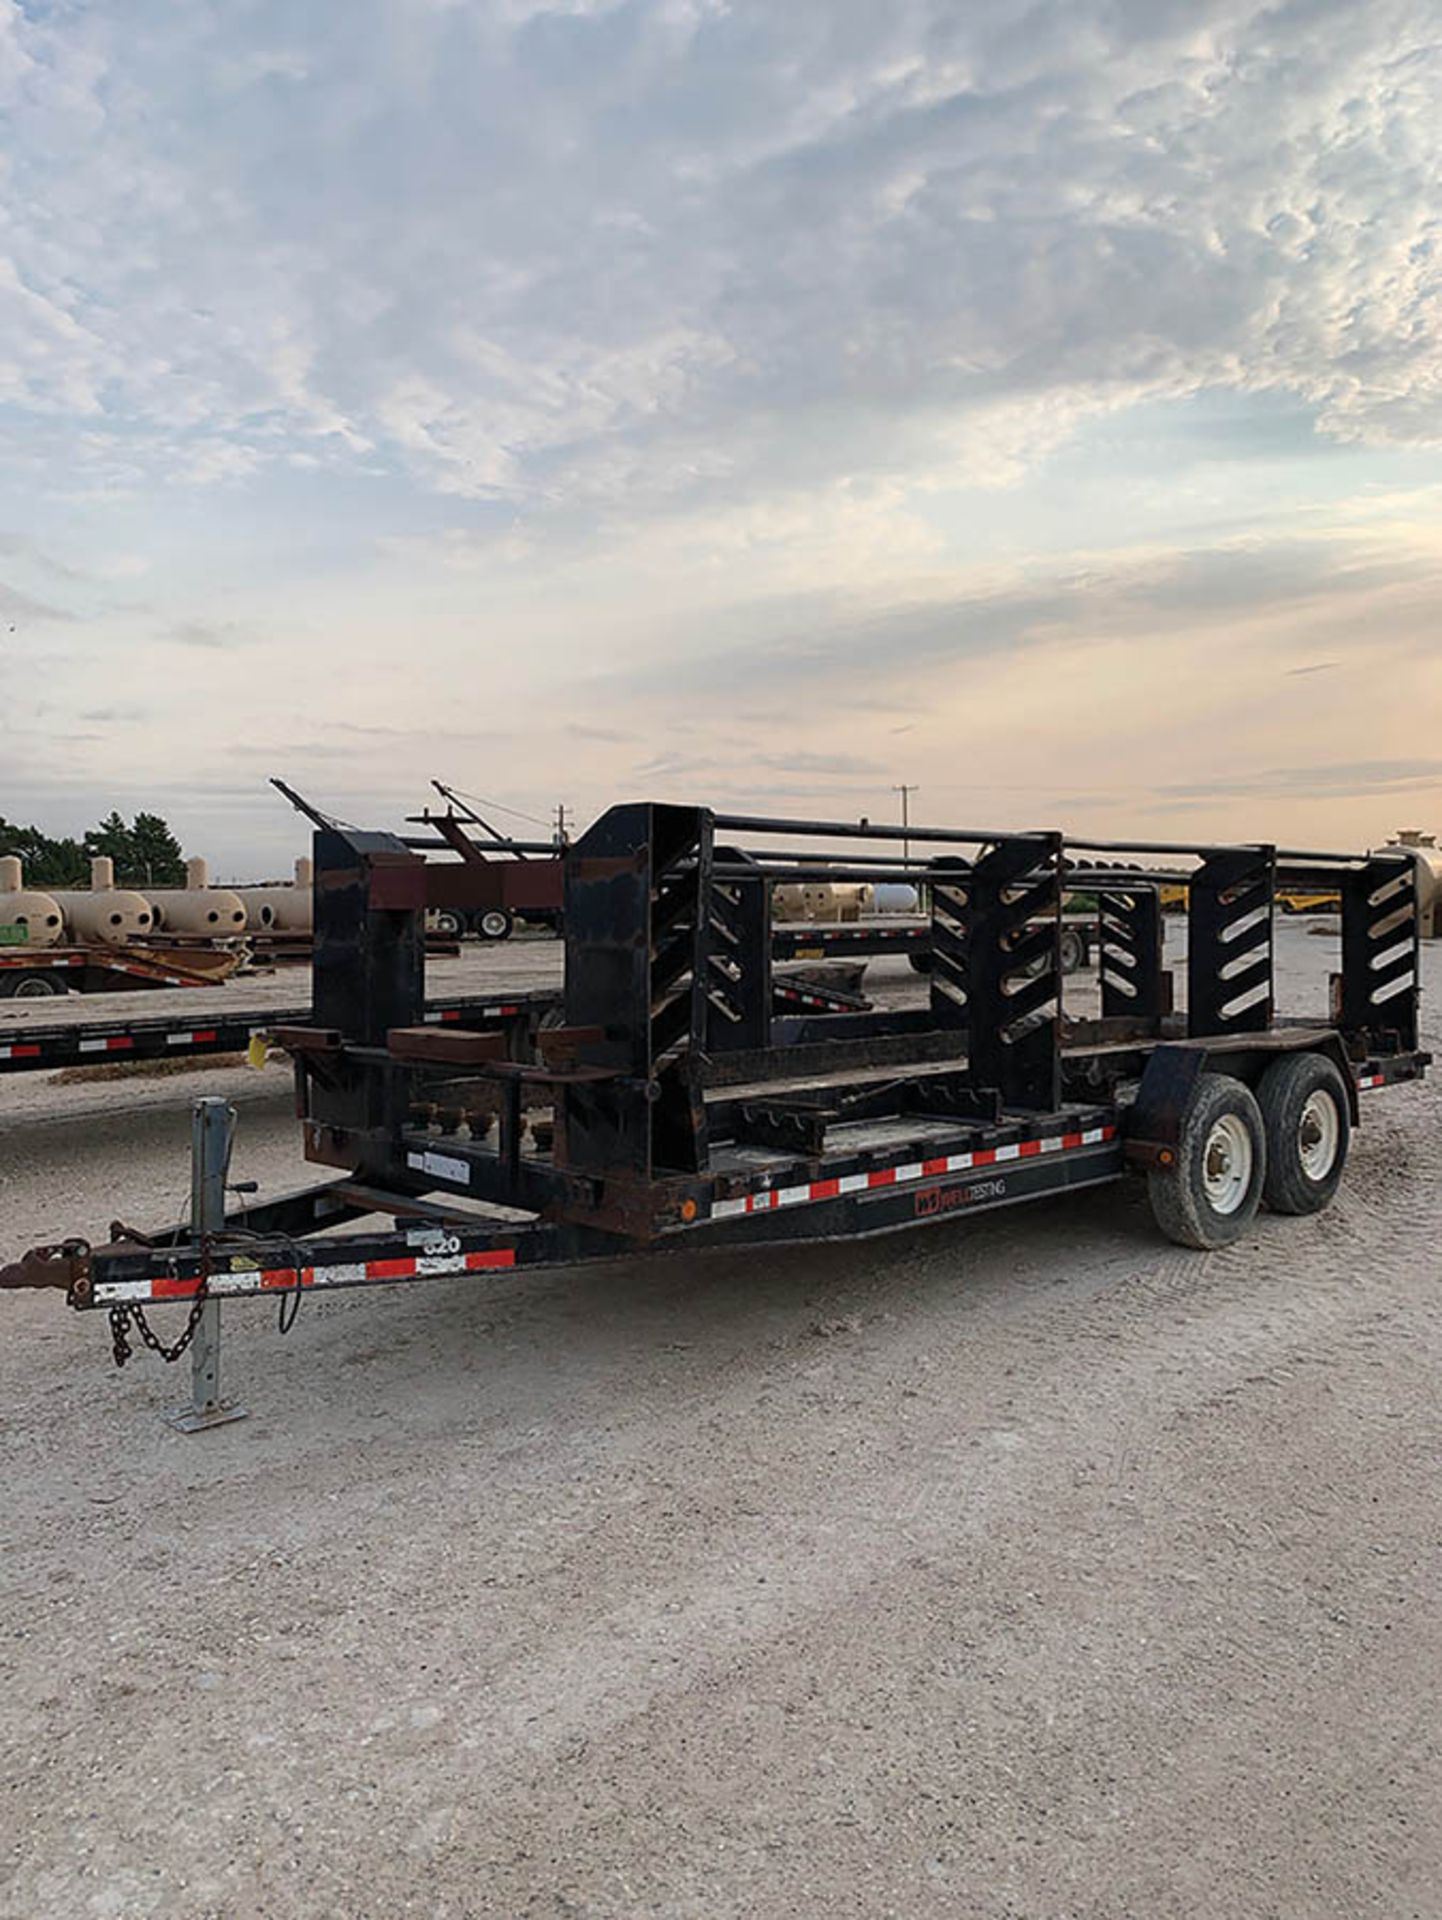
(448, 923)
(919, 960)
(1282, 1093)
(1178, 1193)
(30, 986)
(503, 923)
(1073, 950)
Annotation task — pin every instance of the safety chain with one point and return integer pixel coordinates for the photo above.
(123, 1318)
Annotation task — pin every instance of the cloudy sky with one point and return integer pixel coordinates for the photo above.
(1039, 401)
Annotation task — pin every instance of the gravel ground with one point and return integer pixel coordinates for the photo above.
(1026, 1568)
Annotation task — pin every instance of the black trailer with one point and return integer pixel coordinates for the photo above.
(172, 1036)
(669, 1105)
(119, 1037)
(44, 973)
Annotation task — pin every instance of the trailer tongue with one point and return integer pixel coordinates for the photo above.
(683, 1098)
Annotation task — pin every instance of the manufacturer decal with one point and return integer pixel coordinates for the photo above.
(933, 1200)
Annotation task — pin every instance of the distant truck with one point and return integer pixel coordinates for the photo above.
(1290, 900)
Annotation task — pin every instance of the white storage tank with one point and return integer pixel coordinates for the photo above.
(1427, 861)
(295, 907)
(198, 907)
(821, 900)
(284, 909)
(21, 906)
(259, 907)
(107, 913)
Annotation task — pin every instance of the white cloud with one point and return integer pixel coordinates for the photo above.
(622, 257)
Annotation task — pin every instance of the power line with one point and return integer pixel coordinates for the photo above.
(499, 806)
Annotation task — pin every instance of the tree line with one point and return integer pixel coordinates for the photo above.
(146, 853)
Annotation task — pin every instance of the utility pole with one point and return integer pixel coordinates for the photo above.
(562, 833)
(905, 789)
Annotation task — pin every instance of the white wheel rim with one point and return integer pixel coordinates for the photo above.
(1227, 1161)
(494, 924)
(1319, 1135)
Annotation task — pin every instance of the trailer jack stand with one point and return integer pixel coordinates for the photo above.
(212, 1126)
(206, 1408)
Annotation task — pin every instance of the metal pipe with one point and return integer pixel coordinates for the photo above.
(1349, 859)
(485, 848)
(1201, 851)
(765, 861)
(1198, 849)
(820, 876)
(848, 830)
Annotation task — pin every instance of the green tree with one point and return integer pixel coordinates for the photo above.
(146, 853)
(47, 862)
(156, 852)
(112, 839)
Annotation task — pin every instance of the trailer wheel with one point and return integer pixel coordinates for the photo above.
(1210, 1193)
(447, 922)
(1073, 950)
(29, 986)
(1309, 1129)
(919, 959)
(495, 924)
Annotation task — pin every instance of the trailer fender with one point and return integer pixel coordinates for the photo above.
(1153, 1124)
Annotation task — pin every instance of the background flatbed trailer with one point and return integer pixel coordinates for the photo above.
(911, 937)
(121, 1035)
(44, 973)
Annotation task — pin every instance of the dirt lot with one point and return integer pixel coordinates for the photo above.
(1028, 1567)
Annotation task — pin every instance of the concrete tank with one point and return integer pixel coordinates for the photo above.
(285, 909)
(198, 907)
(107, 913)
(22, 906)
(821, 900)
(259, 908)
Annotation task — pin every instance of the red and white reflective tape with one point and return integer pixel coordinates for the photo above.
(28, 962)
(111, 1043)
(434, 1014)
(202, 1036)
(352, 1273)
(909, 1172)
(1369, 1080)
(20, 1050)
